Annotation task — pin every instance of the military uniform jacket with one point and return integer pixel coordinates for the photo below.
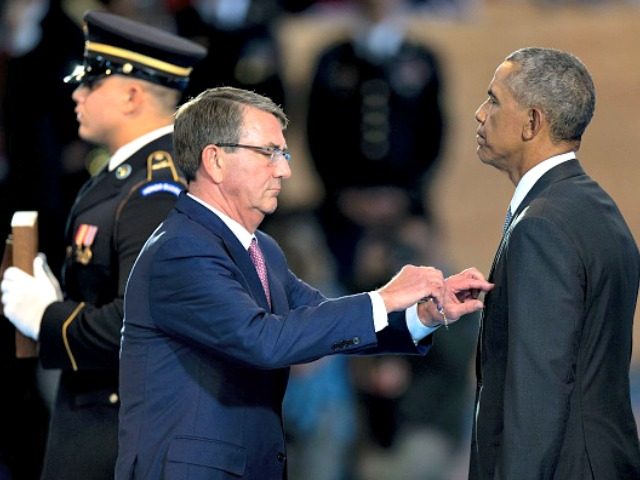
(383, 118)
(111, 219)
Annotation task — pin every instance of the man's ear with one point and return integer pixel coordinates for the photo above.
(213, 162)
(535, 118)
(134, 94)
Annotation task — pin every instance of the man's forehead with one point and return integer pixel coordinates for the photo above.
(261, 123)
(498, 82)
(503, 71)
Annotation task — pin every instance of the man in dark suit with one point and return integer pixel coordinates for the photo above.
(129, 87)
(553, 398)
(214, 318)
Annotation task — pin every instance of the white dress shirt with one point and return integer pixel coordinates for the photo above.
(530, 178)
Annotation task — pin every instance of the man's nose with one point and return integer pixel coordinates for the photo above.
(283, 167)
(79, 93)
(479, 115)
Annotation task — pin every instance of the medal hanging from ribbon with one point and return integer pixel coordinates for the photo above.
(85, 236)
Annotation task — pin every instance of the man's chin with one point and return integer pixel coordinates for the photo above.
(85, 134)
(482, 155)
(268, 210)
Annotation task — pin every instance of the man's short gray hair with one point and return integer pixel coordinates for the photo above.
(558, 84)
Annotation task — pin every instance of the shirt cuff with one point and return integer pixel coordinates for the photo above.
(380, 319)
(417, 329)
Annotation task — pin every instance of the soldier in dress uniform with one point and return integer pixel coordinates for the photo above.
(376, 96)
(128, 88)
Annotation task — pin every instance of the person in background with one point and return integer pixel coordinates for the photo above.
(413, 414)
(553, 398)
(243, 50)
(320, 403)
(43, 150)
(128, 89)
(377, 96)
(214, 317)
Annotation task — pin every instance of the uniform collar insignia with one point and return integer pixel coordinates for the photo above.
(123, 171)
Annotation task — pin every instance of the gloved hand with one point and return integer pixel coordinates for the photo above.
(25, 297)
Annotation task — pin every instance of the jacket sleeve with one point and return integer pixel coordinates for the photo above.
(199, 296)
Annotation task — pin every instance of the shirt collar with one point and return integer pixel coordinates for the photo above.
(241, 233)
(530, 178)
(127, 150)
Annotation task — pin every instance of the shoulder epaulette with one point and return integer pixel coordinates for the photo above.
(161, 160)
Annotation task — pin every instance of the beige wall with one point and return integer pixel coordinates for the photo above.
(472, 197)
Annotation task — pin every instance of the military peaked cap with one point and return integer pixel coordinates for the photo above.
(119, 45)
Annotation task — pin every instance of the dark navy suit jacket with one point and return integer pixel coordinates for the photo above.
(204, 363)
(553, 399)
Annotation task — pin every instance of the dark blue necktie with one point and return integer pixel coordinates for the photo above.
(507, 221)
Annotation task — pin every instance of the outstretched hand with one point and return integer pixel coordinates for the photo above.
(410, 285)
(460, 298)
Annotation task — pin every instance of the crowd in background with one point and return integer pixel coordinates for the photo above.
(374, 127)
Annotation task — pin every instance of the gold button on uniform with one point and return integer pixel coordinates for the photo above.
(113, 398)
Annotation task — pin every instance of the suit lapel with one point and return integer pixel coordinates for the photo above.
(199, 213)
(99, 188)
(570, 168)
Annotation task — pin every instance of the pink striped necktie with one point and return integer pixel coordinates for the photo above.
(261, 267)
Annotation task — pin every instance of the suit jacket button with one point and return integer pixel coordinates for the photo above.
(113, 398)
(281, 457)
(356, 340)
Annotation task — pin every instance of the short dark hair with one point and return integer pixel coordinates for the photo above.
(215, 116)
(559, 84)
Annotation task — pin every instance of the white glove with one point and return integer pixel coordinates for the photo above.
(25, 297)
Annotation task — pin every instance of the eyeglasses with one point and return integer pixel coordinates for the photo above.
(274, 153)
